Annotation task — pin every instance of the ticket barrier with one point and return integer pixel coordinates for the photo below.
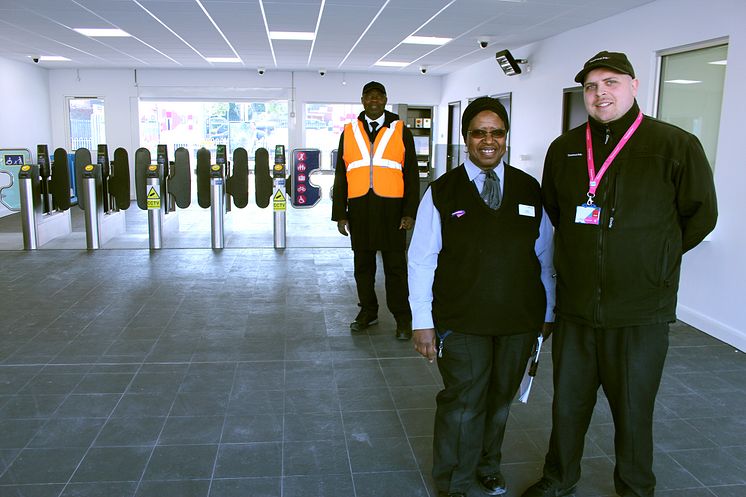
(104, 193)
(45, 198)
(220, 182)
(161, 187)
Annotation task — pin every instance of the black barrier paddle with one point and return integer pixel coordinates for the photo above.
(180, 184)
(82, 159)
(203, 177)
(59, 185)
(237, 185)
(119, 179)
(142, 161)
(262, 178)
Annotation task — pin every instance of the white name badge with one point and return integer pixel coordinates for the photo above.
(526, 210)
(588, 214)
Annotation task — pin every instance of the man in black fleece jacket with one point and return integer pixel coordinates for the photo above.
(627, 195)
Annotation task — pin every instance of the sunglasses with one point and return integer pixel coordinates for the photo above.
(480, 134)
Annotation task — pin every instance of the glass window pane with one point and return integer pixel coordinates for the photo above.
(691, 93)
(87, 123)
(323, 125)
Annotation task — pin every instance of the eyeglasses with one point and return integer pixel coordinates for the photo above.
(481, 134)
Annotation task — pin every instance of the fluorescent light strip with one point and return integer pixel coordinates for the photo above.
(221, 34)
(292, 35)
(223, 59)
(682, 81)
(52, 58)
(102, 32)
(266, 30)
(384, 63)
(719, 62)
(426, 40)
(316, 31)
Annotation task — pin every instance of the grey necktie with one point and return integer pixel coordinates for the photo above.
(491, 189)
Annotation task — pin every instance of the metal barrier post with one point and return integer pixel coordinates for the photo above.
(28, 211)
(155, 211)
(217, 205)
(90, 207)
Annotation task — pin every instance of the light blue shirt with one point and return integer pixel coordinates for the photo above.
(427, 242)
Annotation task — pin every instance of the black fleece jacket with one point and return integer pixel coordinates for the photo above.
(657, 201)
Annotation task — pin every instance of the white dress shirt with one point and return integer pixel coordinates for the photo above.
(427, 242)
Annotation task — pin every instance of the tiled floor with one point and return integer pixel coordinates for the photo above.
(192, 372)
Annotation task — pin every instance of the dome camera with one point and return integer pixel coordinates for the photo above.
(423, 69)
(35, 58)
(261, 71)
(483, 43)
(322, 72)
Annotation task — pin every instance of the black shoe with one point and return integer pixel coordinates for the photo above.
(363, 321)
(403, 328)
(493, 484)
(548, 488)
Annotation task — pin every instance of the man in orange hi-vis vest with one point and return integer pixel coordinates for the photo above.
(376, 192)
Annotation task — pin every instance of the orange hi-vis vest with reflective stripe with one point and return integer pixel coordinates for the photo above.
(377, 166)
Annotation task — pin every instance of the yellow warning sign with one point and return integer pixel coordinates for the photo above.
(278, 201)
(154, 200)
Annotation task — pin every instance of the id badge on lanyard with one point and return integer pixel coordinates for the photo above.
(589, 212)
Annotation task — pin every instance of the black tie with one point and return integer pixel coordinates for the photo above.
(373, 126)
(491, 189)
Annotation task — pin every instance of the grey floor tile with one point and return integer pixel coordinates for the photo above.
(366, 399)
(16, 433)
(711, 466)
(318, 486)
(130, 431)
(100, 489)
(321, 457)
(364, 425)
(313, 426)
(380, 454)
(42, 466)
(311, 400)
(243, 487)
(249, 460)
(191, 430)
(87, 405)
(108, 464)
(30, 406)
(181, 488)
(67, 432)
(44, 490)
(256, 428)
(181, 462)
(390, 484)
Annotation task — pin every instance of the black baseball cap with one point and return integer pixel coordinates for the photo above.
(612, 60)
(374, 85)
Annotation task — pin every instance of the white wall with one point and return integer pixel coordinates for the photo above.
(714, 274)
(24, 115)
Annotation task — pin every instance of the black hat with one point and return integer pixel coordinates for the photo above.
(477, 106)
(374, 85)
(613, 60)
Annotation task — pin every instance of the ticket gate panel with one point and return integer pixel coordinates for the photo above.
(59, 185)
(180, 184)
(262, 178)
(203, 177)
(119, 180)
(142, 162)
(305, 162)
(237, 185)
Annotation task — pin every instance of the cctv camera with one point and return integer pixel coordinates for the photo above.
(322, 72)
(260, 71)
(35, 58)
(483, 43)
(423, 69)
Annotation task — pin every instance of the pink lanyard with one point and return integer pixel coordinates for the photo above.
(593, 178)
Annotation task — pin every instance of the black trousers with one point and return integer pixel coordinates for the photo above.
(481, 375)
(628, 364)
(395, 272)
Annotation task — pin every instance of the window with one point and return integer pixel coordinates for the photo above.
(194, 125)
(690, 93)
(323, 125)
(87, 123)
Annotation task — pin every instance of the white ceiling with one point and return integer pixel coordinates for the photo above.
(351, 34)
